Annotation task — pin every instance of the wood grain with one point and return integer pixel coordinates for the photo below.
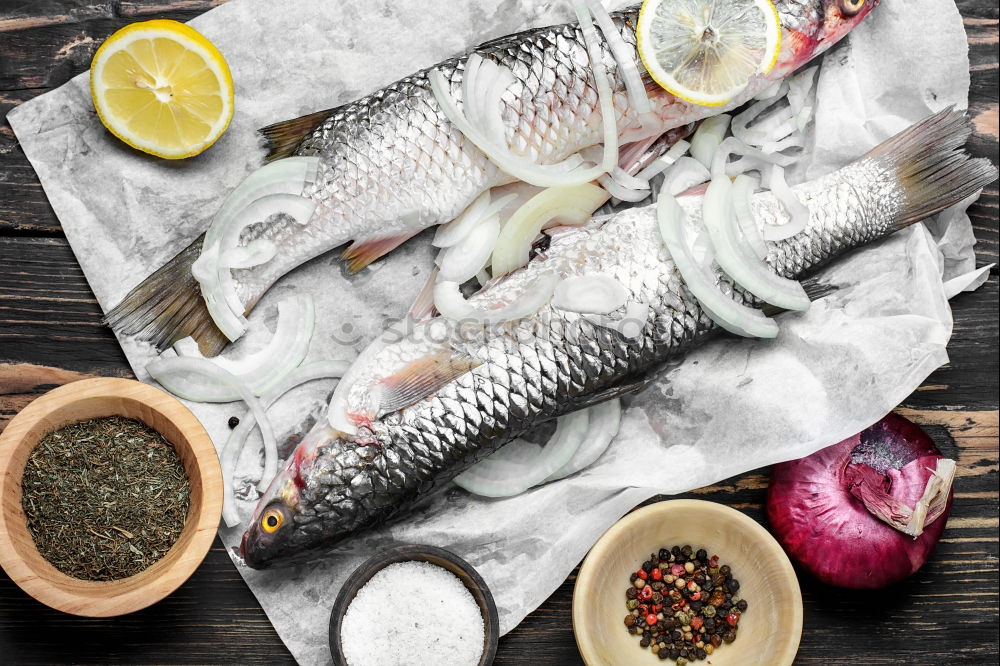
(50, 335)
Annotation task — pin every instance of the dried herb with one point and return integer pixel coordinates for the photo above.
(104, 498)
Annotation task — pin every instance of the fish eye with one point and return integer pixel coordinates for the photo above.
(851, 7)
(271, 520)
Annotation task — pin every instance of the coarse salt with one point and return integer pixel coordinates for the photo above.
(412, 614)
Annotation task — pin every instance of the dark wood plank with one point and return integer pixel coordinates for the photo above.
(50, 335)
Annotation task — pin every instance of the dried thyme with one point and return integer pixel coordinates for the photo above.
(104, 498)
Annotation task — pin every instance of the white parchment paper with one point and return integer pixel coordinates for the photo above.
(732, 406)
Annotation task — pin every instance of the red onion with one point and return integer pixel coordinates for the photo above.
(864, 513)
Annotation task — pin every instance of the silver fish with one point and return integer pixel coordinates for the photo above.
(391, 164)
(483, 386)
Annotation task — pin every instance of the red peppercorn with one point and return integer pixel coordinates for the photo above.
(677, 570)
(646, 594)
(657, 608)
(651, 619)
(657, 574)
(696, 622)
(696, 596)
(732, 619)
(643, 609)
(641, 573)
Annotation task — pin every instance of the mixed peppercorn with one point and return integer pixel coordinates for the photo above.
(683, 605)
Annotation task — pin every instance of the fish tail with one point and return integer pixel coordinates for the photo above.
(168, 306)
(932, 168)
(281, 139)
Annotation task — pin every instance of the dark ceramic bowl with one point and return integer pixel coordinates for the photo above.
(442, 558)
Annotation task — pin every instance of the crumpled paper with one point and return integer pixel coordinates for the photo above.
(731, 406)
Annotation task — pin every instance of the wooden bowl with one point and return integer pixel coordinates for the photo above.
(93, 398)
(770, 629)
(442, 558)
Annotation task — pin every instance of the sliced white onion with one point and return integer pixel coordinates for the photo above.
(452, 232)
(596, 293)
(260, 370)
(506, 478)
(452, 305)
(661, 163)
(623, 54)
(466, 258)
(743, 189)
(798, 213)
(252, 254)
(707, 138)
(290, 177)
(684, 174)
(630, 325)
(235, 443)
(737, 259)
(182, 369)
(799, 87)
(753, 159)
(744, 118)
(734, 317)
(621, 192)
(605, 419)
(566, 205)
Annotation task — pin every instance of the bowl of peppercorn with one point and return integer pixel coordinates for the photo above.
(687, 581)
(110, 496)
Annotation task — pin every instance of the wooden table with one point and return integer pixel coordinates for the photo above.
(50, 334)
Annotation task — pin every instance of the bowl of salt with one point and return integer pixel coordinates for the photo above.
(414, 605)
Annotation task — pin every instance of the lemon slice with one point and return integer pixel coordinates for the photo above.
(162, 88)
(706, 51)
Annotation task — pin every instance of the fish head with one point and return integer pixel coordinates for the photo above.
(285, 525)
(810, 27)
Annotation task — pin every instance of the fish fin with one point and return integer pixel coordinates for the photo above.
(423, 305)
(418, 379)
(629, 385)
(284, 137)
(815, 289)
(167, 306)
(361, 253)
(933, 169)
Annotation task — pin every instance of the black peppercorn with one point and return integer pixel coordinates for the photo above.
(633, 630)
(716, 640)
(233, 422)
(742, 605)
(673, 652)
(725, 570)
(700, 653)
(663, 653)
(644, 643)
(632, 577)
(733, 585)
(630, 620)
(695, 606)
(677, 635)
(709, 623)
(702, 555)
(664, 554)
(647, 566)
(631, 593)
(687, 550)
(729, 636)
(676, 550)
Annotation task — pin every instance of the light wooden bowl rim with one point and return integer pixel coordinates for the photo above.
(36, 576)
(692, 510)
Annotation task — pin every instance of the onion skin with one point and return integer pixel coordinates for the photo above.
(829, 532)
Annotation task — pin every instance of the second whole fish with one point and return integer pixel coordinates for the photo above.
(468, 389)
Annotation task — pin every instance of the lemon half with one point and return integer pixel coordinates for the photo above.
(706, 51)
(162, 88)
